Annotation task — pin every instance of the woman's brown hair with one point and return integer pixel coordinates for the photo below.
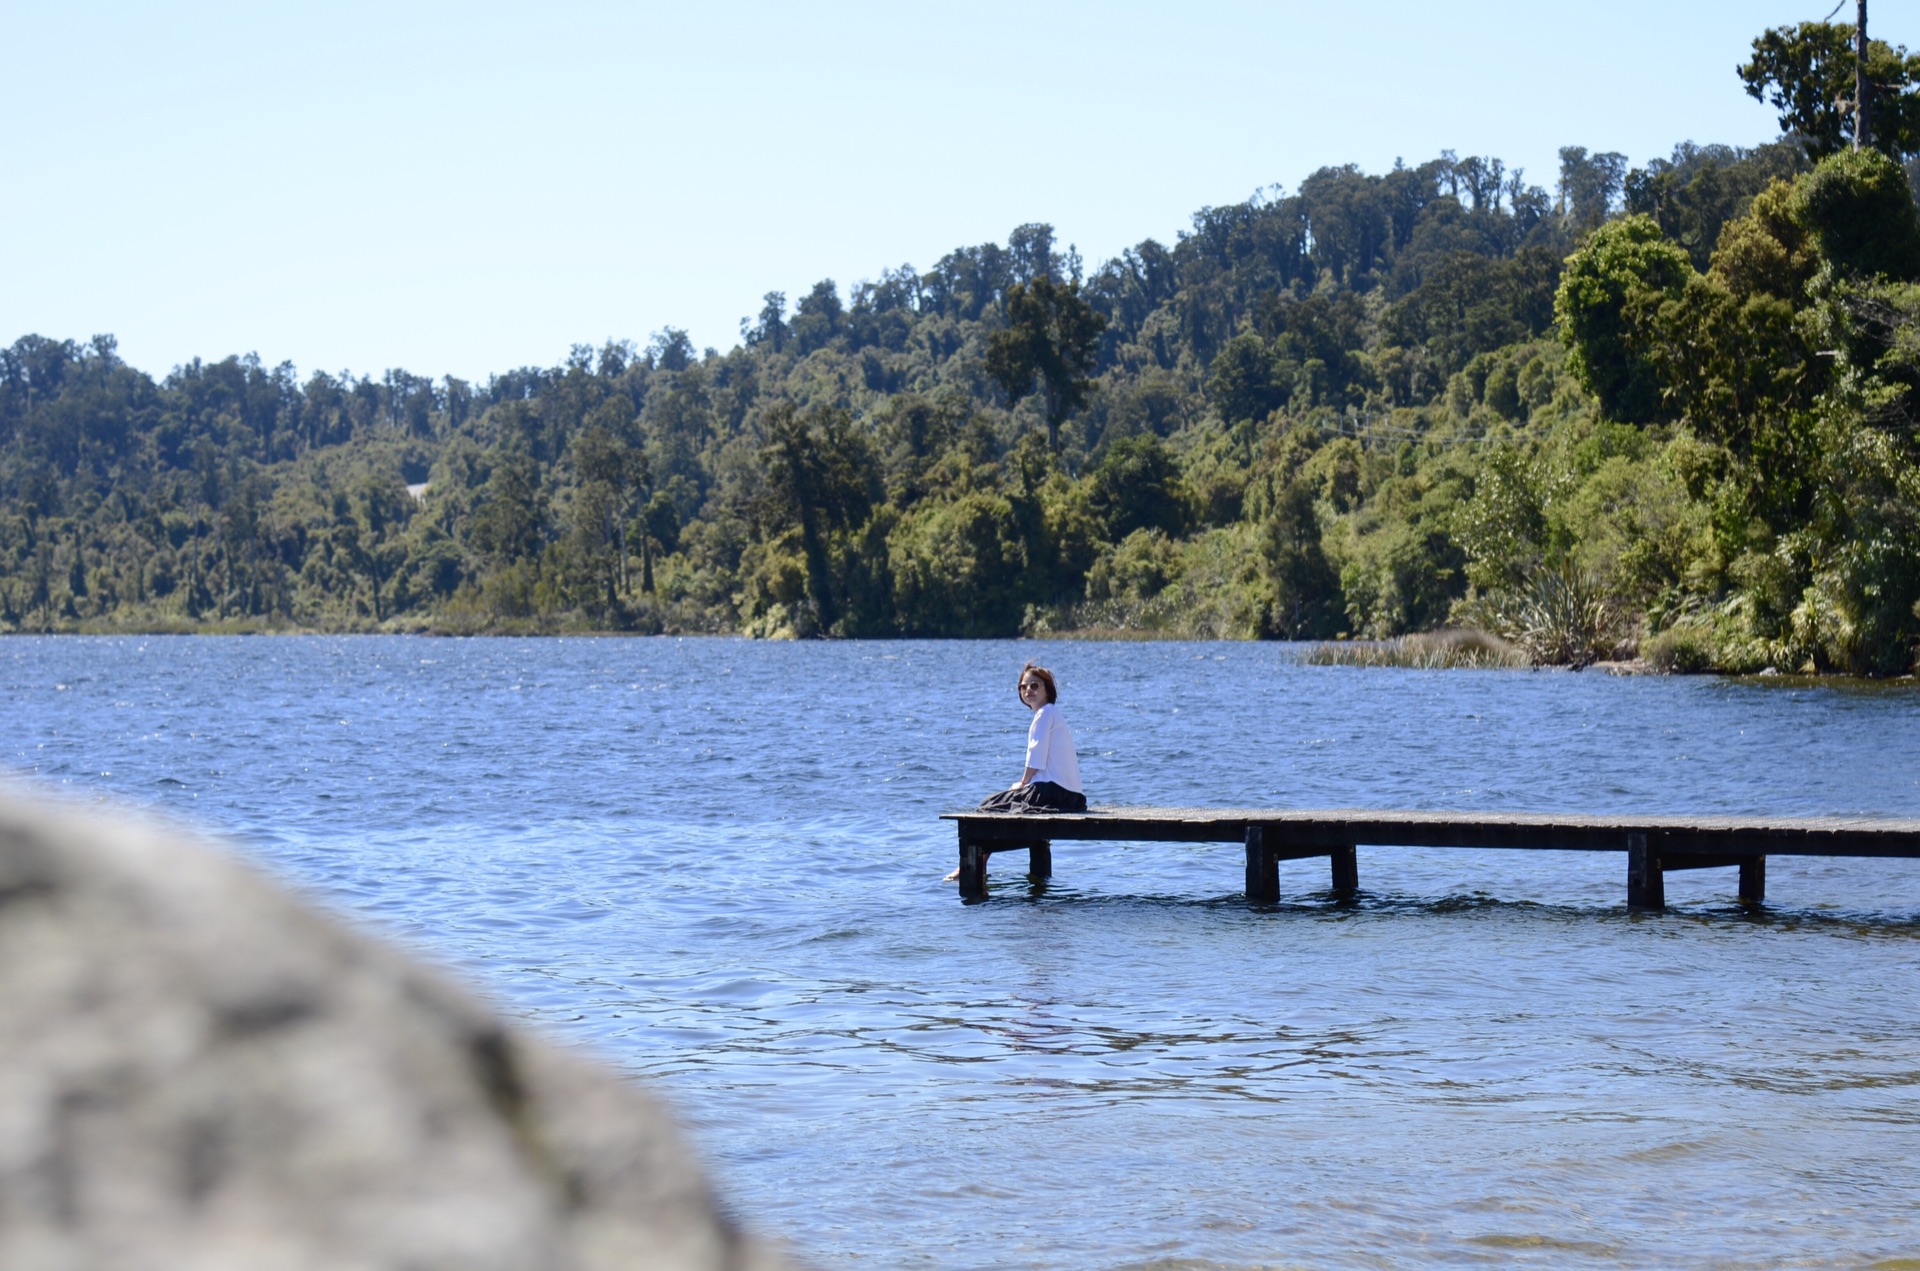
(1042, 674)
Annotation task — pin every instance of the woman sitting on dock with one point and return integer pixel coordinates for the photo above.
(1051, 782)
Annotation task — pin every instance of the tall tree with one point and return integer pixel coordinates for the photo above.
(1051, 332)
(821, 477)
(610, 476)
(1817, 73)
(772, 327)
(659, 526)
(1589, 184)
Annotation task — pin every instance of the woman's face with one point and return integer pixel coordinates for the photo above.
(1032, 692)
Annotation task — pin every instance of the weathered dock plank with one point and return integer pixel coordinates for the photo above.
(1653, 844)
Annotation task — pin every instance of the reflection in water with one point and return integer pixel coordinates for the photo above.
(716, 863)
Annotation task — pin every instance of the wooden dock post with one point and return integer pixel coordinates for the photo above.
(1040, 858)
(1753, 880)
(1646, 884)
(1346, 871)
(973, 867)
(1263, 868)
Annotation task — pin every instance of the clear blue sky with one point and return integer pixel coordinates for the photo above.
(461, 188)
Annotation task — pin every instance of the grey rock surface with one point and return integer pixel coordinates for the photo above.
(198, 1070)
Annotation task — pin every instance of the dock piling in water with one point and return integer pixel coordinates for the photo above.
(1263, 868)
(974, 852)
(1040, 859)
(973, 866)
(1346, 871)
(1646, 881)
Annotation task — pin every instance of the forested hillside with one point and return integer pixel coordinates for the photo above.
(1670, 409)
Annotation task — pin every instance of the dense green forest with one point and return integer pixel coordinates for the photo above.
(1668, 409)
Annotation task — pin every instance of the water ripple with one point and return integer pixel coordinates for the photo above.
(717, 863)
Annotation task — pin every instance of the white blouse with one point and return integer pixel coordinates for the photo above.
(1050, 749)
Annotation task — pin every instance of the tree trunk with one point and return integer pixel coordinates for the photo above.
(1862, 90)
(613, 536)
(819, 579)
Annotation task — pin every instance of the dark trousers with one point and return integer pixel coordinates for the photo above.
(1036, 796)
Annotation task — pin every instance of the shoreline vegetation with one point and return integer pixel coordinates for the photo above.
(1443, 650)
(1665, 416)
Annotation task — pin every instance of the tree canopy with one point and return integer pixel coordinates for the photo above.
(1052, 333)
(1674, 406)
(1808, 73)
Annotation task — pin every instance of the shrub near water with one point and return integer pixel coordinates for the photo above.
(1560, 617)
(1679, 650)
(1430, 651)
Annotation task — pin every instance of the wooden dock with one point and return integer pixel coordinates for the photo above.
(1652, 844)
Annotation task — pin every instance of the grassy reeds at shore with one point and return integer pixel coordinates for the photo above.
(1429, 651)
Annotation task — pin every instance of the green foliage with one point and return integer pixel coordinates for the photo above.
(1136, 486)
(1502, 526)
(1244, 383)
(1807, 73)
(1400, 568)
(1215, 585)
(1766, 251)
(1611, 286)
(1471, 304)
(1051, 332)
(957, 567)
(821, 484)
(1557, 617)
(1341, 410)
(1589, 183)
(1305, 589)
(1693, 195)
(1859, 208)
(1679, 650)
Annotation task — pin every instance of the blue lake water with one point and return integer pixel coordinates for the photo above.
(717, 864)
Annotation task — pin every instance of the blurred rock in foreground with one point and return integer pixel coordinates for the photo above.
(197, 1070)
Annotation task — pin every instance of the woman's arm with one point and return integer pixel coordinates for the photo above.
(1026, 779)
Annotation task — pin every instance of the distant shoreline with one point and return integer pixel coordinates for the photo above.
(1630, 667)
